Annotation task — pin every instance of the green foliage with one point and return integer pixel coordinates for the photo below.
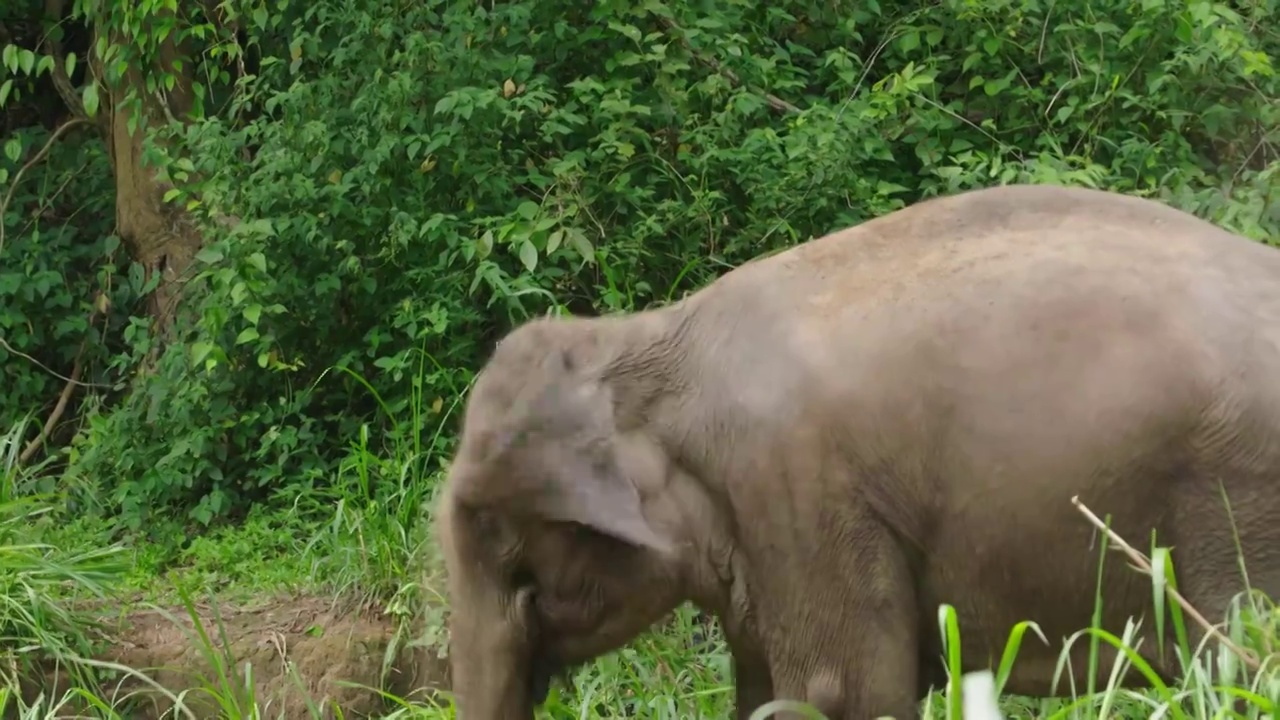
(382, 182)
(64, 281)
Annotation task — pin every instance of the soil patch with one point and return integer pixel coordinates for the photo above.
(299, 649)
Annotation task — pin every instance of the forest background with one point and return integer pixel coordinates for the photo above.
(254, 251)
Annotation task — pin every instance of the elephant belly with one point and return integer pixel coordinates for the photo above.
(1048, 581)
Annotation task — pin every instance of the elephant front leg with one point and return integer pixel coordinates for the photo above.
(848, 643)
(753, 685)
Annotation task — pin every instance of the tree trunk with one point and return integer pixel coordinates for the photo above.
(158, 235)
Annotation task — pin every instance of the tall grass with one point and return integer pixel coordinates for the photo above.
(373, 542)
(664, 675)
(377, 505)
(41, 628)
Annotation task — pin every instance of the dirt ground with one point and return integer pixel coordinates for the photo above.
(325, 645)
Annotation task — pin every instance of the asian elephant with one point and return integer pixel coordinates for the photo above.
(823, 445)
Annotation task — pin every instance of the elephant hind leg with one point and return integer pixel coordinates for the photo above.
(1217, 526)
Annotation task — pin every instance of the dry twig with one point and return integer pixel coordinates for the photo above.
(1144, 564)
(4, 344)
(63, 398)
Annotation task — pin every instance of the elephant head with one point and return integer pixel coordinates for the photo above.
(551, 558)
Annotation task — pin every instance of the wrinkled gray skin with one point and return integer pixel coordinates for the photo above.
(823, 445)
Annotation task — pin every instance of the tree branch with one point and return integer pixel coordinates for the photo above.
(61, 82)
(63, 399)
(774, 101)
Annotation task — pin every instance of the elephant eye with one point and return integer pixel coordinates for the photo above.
(526, 597)
(524, 584)
(522, 578)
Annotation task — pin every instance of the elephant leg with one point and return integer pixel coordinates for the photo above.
(848, 642)
(1210, 538)
(753, 685)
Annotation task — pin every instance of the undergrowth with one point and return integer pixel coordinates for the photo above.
(41, 628)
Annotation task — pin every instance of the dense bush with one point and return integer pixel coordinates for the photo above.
(384, 187)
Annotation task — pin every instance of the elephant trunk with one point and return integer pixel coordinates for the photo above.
(489, 655)
(489, 645)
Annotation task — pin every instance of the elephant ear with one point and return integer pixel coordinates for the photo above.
(555, 458)
(563, 482)
(600, 497)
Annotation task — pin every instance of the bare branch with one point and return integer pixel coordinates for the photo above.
(63, 399)
(1144, 564)
(8, 196)
(71, 381)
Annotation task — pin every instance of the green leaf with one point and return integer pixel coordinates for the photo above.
(210, 255)
(446, 103)
(553, 241)
(528, 255)
(581, 244)
(258, 260)
(5, 89)
(247, 335)
(171, 193)
(253, 313)
(27, 60)
(260, 17)
(631, 31)
(527, 210)
(90, 98)
(1183, 29)
(69, 64)
(909, 42)
(199, 351)
(13, 149)
(202, 514)
(484, 245)
(10, 57)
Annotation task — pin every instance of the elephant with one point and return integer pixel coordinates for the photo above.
(822, 446)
